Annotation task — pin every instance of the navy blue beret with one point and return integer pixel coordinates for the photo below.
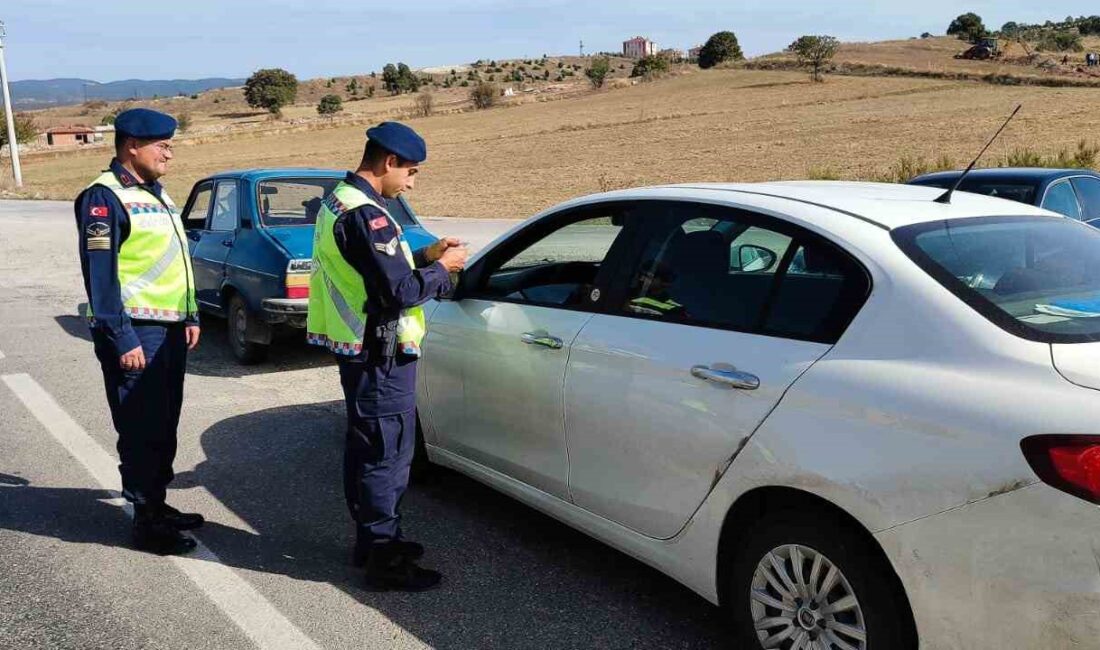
(145, 124)
(400, 140)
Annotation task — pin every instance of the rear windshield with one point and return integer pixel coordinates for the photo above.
(296, 202)
(1021, 191)
(1037, 277)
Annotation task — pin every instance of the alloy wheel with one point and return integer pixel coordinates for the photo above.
(800, 600)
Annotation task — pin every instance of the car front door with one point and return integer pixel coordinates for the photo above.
(497, 354)
(212, 249)
(723, 310)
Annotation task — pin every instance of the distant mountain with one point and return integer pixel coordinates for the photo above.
(35, 93)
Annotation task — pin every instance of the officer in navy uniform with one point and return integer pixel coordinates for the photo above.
(143, 317)
(379, 380)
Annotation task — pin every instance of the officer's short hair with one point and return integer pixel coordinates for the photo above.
(375, 154)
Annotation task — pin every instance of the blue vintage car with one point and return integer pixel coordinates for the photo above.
(1072, 192)
(250, 233)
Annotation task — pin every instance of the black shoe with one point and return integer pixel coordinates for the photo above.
(180, 520)
(400, 575)
(400, 547)
(155, 535)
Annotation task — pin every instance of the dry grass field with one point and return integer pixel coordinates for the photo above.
(716, 125)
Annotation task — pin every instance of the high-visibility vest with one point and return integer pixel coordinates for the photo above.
(337, 316)
(154, 266)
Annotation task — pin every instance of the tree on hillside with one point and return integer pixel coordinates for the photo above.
(1010, 29)
(1090, 25)
(648, 67)
(397, 79)
(330, 105)
(720, 47)
(483, 95)
(815, 51)
(271, 89)
(1061, 42)
(597, 72)
(183, 122)
(967, 27)
(25, 128)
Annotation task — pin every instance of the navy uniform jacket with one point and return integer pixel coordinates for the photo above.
(97, 207)
(367, 243)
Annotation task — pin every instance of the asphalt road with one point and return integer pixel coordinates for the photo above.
(260, 455)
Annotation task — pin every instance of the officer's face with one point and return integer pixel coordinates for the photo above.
(151, 157)
(399, 177)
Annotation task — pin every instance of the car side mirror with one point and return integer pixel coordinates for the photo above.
(754, 259)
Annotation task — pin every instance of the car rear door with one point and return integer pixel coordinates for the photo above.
(722, 312)
(1088, 195)
(496, 356)
(209, 254)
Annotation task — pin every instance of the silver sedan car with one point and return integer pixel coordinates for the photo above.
(852, 416)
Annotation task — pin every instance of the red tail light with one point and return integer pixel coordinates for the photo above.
(1070, 463)
(297, 278)
(297, 292)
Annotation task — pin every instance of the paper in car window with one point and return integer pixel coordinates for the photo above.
(1079, 308)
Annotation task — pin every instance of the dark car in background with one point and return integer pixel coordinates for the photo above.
(1072, 192)
(250, 234)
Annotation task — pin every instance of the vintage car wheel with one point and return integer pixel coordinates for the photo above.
(804, 580)
(239, 323)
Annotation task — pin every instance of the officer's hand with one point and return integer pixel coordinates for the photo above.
(454, 259)
(133, 360)
(436, 250)
(192, 333)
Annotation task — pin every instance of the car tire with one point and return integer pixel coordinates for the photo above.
(880, 614)
(240, 322)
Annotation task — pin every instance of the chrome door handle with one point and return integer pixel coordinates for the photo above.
(541, 338)
(726, 375)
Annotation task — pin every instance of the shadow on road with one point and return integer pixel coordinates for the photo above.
(514, 578)
(214, 358)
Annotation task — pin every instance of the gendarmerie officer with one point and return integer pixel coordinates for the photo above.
(143, 316)
(364, 305)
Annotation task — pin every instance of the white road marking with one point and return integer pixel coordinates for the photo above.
(257, 618)
(1, 354)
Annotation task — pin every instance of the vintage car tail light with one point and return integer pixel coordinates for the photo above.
(297, 278)
(1070, 463)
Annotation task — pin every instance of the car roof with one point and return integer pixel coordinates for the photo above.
(1030, 174)
(885, 205)
(265, 173)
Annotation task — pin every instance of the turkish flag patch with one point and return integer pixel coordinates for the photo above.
(379, 223)
(98, 211)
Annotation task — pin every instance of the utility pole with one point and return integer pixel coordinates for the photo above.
(582, 49)
(13, 145)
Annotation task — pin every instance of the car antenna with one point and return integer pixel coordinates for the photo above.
(946, 196)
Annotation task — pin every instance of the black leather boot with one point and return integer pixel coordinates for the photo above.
(154, 534)
(410, 550)
(181, 520)
(388, 571)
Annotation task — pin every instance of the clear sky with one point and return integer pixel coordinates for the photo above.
(111, 40)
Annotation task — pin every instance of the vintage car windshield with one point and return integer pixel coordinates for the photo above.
(1037, 277)
(296, 202)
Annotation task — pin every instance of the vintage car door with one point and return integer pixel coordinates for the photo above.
(209, 254)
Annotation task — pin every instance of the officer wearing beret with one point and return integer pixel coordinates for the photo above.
(143, 317)
(364, 305)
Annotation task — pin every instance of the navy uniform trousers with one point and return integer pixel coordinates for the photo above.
(381, 438)
(145, 407)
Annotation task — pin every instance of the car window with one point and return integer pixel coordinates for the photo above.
(1020, 191)
(292, 201)
(1088, 191)
(558, 268)
(1036, 277)
(223, 216)
(734, 274)
(199, 207)
(1061, 198)
(400, 212)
